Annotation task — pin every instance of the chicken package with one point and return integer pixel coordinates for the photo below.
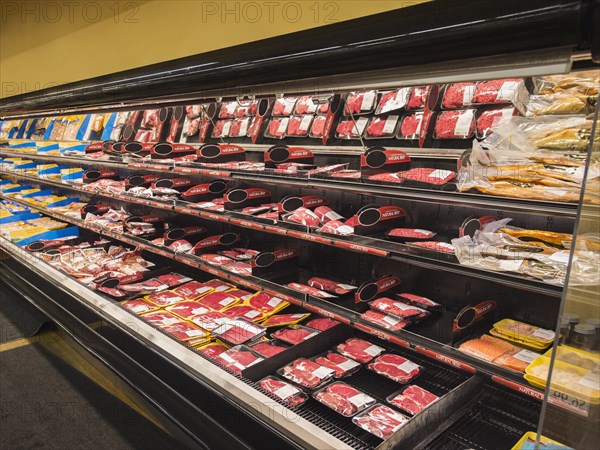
(384, 320)
(380, 420)
(458, 124)
(333, 287)
(342, 365)
(359, 350)
(412, 399)
(322, 324)
(267, 303)
(395, 367)
(397, 308)
(238, 358)
(344, 399)
(306, 373)
(295, 334)
(458, 95)
(382, 127)
(291, 395)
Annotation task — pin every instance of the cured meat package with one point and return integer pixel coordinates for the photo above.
(380, 420)
(291, 395)
(395, 367)
(344, 399)
(306, 373)
(412, 399)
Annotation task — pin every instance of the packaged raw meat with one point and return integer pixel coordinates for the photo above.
(284, 106)
(380, 420)
(192, 290)
(185, 331)
(348, 129)
(441, 247)
(295, 334)
(238, 358)
(192, 127)
(240, 293)
(238, 331)
(322, 323)
(210, 320)
(221, 128)
(181, 246)
(281, 320)
(267, 349)
(239, 268)
(498, 91)
(299, 125)
(409, 234)
(410, 126)
(291, 395)
(490, 118)
(305, 105)
(397, 308)
(219, 301)
(227, 110)
(138, 306)
(342, 365)
(387, 321)
(523, 332)
(277, 128)
(218, 285)
(245, 108)
(382, 127)
(306, 373)
(393, 101)
(187, 310)
(458, 95)
(267, 303)
(387, 177)
(318, 127)
(244, 311)
(359, 350)
(239, 254)
(395, 367)
(331, 286)
(417, 300)
(418, 97)
(212, 349)
(455, 124)
(239, 127)
(161, 318)
(310, 290)
(305, 217)
(337, 227)
(165, 298)
(216, 260)
(328, 169)
(486, 347)
(192, 111)
(344, 399)
(412, 399)
(350, 174)
(326, 214)
(360, 102)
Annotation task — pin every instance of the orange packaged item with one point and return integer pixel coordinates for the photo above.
(517, 359)
(486, 347)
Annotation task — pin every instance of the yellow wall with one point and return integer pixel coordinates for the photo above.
(43, 44)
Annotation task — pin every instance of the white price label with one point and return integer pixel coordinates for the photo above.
(440, 174)
(508, 91)
(346, 286)
(194, 333)
(426, 233)
(282, 126)
(373, 350)
(285, 392)
(526, 356)
(170, 321)
(244, 127)
(392, 320)
(468, 94)
(323, 372)
(139, 309)
(305, 123)
(274, 302)
(359, 126)
(288, 105)
(367, 101)
(408, 366)
(463, 124)
(348, 365)
(546, 335)
(226, 301)
(390, 124)
(360, 400)
(252, 314)
(226, 128)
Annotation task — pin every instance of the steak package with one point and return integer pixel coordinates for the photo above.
(165, 298)
(310, 290)
(410, 126)
(395, 367)
(306, 373)
(245, 312)
(382, 127)
(393, 101)
(333, 287)
(418, 97)
(348, 129)
(409, 234)
(380, 420)
(322, 323)
(360, 102)
(238, 331)
(299, 126)
(342, 365)
(221, 128)
(277, 127)
(187, 310)
(295, 334)
(306, 105)
(384, 320)
(359, 350)
(318, 127)
(267, 349)
(161, 318)
(238, 358)
(284, 106)
(344, 399)
(412, 399)
(218, 301)
(281, 320)
(337, 227)
(419, 301)
(458, 95)
(459, 124)
(212, 349)
(267, 303)
(210, 320)
(304, 216)
(291, 395)
(186, 331)
(397, 308)
(138, 306)
(488, 119)
(326, 214)
(427, 175)
(227, 110)
(218, 285)
(192, 290)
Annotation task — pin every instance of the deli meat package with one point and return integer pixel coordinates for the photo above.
(341, 364)
(291, 395)
(238, 331)
(344, 399)
(413, 399)
(455, 124)
(395, 367)
(238, 358)
(397, 308)
(306, 373)
(267, 303)
(458, 95)
(359, 350)
(380, 420)
(295, 334)
(384, 320)
(331, 286)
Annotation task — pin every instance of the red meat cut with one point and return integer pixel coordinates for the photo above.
(395, 367)
(216, 260)
(193, 127)
(284, 391)
(284, 106)
(337, 227)
(267, 349)
(341, 364)
(212, 350)
(385, 320)
(245, 311)
(423, 302)
(411, 126)
(150, 118)
(306, 373)
(330, 286)
(382, 126)
(227, 110)
(413, 399)
(359, 350)
(417, 97)
(138, 306)
(381, 421)
(266, 303)
(350, 174)
(239, 268)
(398, 309)
(488, 120)
(304, 216)
(187, 310)
(497, 91)
(192, 290)
(458, 95)
(278, 127)
(322, 324)
(442, 247)
(428, 175)
(410, 233)
(237, 360)
(387, 177)
(360, 102)
(219, 300)
(192, 111)
(326, 214)
(344, 399)
(310, 290)
(393, 100)
(294, 335)
(318, 126)
(455, 124)
(349, 129)
(219, 285)
(237, 331)
(210, 320)
(299, 125)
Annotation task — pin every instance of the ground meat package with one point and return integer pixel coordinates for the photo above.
(427, 175)
(458, 124)
(306, 373)
(395, 367)
(359, 350)
(505, 90)
(348, 129)
(409, 234)
(289, 394)
(380, 420)
(344, 399)
(418, 97)
(299, 126)
(412, 399)
(410, 125)
(238, 331)
(360, 102)
(342, 365)
(489, 118)
(458, 95)
(238, 358)
(382, 127)
(393, 101)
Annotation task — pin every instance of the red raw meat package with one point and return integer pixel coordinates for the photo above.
(382, 126)
(350, 174)
(387, 177)
(393, 101)
(143, 136)
(395, 367)
(326, 214)
(310, 290)
(360, 102)
(387, 321)
(337, 227)
(239, 268)
(488, 119)
(423, 302)
(246, 108)
(192, 127)
(239, 127)
(165, 298)
(359, 350)
(219, 300)
(322, 324)
(238, 358)
(497, 91)
(267, 303)
(187, 310)
(150, 118)
(218, 285)
(277, 127)
(244, 311)
(267, 349)
(216, 260)
(294, 335)
(212, 350)
(348, 129)
(304, 216)
(181, 246)
(244, 295)
(411, 126)
(161, 318)
(428, 175)
(410, 233)
(318, 126)
(455, 124)
(299, 125)
(344, 399)
(285, 319)
(413, 399)
(458, 95)
(306, 373)
(184, 331)
(442, 247)
(221, 128)
(210, 320)
(418, 97)
(192, 290)
(397, 308)
(305, 105)
(284, 106)
(380, 420)
(238, 331)
(227, 110)
(192, 111)
(331, 286)
(138, 306)
(291, 395)
(340, 364)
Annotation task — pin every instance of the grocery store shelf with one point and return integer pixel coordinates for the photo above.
(362, 244)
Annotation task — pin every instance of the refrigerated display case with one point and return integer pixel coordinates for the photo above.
(435, 212)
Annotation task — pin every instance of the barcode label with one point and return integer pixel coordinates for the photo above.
(373, 350)
(468, 94)
(591, 380)
(508, 90)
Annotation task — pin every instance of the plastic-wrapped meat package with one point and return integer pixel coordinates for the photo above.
(218, 285)
(267, 303)
(395, 367)
(267, 349)
(216, 260)
(344, 399)
(360, 102)
(280, 320)
(498, 91)
(398, 309)
(245, 312)
(239, 127)
(455, 124)
(212, 350)
(486, 347)
(188, 309)
(294, 336)
(239, 268)
(210, 320)
(219, 300)
(387, 321)
(380, 420)
(138, 306)
(161, 318)
(318, 127)
(411, 126)
(342, 365)
(458, 95)
(347, 174)
(322, 323)
(359, 350)
(284, 106)
(387, 177)
(418, 300)
(149, 118)
(393, 101)
(246, 253)
(192, 290)
(490, 118)
(192, 111)
(330, 286)
(185, 331)
(143, 136)
(304, 216)
(310, 290)
(306, 373)
(328, 169)
(299, 125)
(441, 247)
(410, 234)
(113, 292)
(237, 331)
(382, 127)
(192, 127)
(180, 246)
(238, 358)
(428, 175)
(337, 227)
(418, 97)
(221, 128)
(246, 108)
(348, 129)
(165, 298)
(227, 110)
(305, 105)
(240, 293)
(326, 214)
(291, 395)
(277, 128)
(147, 286)
(413, 399)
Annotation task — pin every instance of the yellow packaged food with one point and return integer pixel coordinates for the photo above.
(528, 442)
(576, 357)
(522, 343)
(525, 332)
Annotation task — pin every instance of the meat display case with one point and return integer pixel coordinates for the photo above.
(205, 404)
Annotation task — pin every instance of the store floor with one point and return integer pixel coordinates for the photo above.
(49, 401)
